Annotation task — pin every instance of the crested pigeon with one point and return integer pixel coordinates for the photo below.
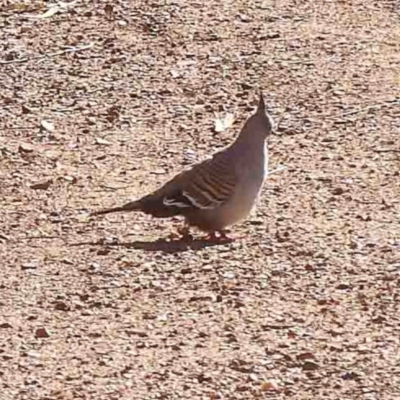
(217, 192)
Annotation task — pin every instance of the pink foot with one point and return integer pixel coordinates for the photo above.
(219, 237)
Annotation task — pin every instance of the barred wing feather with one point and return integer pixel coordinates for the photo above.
(206, 186)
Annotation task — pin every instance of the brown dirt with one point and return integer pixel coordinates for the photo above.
(305, 307)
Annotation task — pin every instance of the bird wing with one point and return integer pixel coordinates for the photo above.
(207, 185)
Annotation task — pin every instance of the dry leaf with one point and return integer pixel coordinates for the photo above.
(54, 9)
(83, 218)
(268, 386)
(48, 126)
(50, 12)
(102, 141)
(221, 124)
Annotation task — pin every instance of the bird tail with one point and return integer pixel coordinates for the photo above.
(132, 206)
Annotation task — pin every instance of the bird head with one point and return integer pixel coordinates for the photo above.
(258, 127)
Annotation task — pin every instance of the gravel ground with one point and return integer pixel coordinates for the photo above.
(101, 103)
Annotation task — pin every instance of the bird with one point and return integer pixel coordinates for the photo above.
(218, 192)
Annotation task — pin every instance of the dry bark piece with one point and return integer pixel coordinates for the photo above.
(29, 265)
(338, 191)
(109, 10)
(26, 148)
(306, 356)
(25, 109)
(61, 306)
(309, 365)
(42, 185)
(42, 333)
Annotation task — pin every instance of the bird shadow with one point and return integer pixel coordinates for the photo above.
(164, 245)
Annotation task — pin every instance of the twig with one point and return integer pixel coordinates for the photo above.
(274, 171)
(41, 237)
(294, 62)
(386, 150)
(21, 128)
(98, 243)
(371, 107)
(113, 187)
(48, 55)
(272, 326)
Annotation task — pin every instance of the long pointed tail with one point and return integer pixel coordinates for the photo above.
(132, 206)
